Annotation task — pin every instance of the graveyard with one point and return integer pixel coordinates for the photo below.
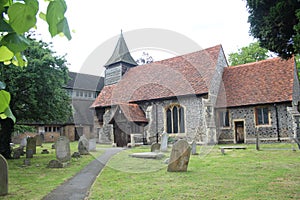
(233, 173)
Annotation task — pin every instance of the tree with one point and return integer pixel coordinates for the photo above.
(248, 54)
(144, 59)
(37, 93)
(276, 24)
(17, 18)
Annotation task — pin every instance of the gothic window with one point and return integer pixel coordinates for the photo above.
(262, 116)
(224, 118)
(175, 119)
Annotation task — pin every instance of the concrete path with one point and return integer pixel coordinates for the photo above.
(77, 188)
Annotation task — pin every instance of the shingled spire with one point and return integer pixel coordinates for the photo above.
(120, 61)
(121, 54)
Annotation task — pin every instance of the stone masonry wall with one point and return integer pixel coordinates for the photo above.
(266, 132)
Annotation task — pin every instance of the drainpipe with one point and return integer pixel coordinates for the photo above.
(277, 122)
(156, 121)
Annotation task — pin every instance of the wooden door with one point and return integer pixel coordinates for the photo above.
(239, 132)
(120, 137)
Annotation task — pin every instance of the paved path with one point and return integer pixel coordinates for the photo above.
(77, 188)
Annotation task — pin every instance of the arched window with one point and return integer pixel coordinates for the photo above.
(175, 119)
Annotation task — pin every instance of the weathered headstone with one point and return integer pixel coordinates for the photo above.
(155, 147)
(27, 162)
(29, 153)
(3, 176)
(23, 142)
(164, 142)
(194, 148)
(83, 145)
(62, 149)
(180, 156)
(92, 144)
(31, 144)
(55, 164)
(39, 140)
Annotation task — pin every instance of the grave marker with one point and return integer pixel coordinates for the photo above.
(194, 148)
(155, 147)
(92, 144)
(180, 156)
(3, 176)
(83, 145)
(164, 142)
(62, 148)
(31, 144)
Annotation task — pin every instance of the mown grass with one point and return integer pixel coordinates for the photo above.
(272, 173)
(36, 181)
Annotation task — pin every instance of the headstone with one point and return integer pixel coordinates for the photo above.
(83, 145)
(180, 156)
(3, 176)
(62, 149)
(29, 153)
(164, 142)
(39, 140)
(55, 164)
(92, 144)
(155, 147)
(194, 148)
(23, 142)
(31, 144)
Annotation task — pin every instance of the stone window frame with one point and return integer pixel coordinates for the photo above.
(171, 107)
(219, 120)
(257, 124)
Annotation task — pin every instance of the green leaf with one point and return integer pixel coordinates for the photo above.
(55, 14)
(5, 54)
(63, 27)
(8, 114)
(22, 17)
(5, 27)
(16, 43)
(2, 85)
(4, 100)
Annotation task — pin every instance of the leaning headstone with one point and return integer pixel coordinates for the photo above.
(31, 144)
(3, 176)
(39, 140)
(92, 144)
(62, 149)
(180, 156)
(194, 148)
(155, 147)
(23, 142)
(164, 142)
(29, 153)
(83, 146)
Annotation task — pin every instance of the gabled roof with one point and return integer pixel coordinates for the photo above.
(188, 74)
(121, 54)
(85, 82)
(132, 113)
(262, 82)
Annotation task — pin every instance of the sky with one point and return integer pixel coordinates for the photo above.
(96, 23)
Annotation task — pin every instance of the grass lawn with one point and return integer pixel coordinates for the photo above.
(36, 181)
(272, 173)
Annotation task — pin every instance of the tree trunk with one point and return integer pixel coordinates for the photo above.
(6, 130)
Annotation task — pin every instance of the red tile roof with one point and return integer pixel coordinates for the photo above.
(267, 81)
(182, 75)
(132, 112)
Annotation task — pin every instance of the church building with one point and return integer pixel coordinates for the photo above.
(196, 96)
